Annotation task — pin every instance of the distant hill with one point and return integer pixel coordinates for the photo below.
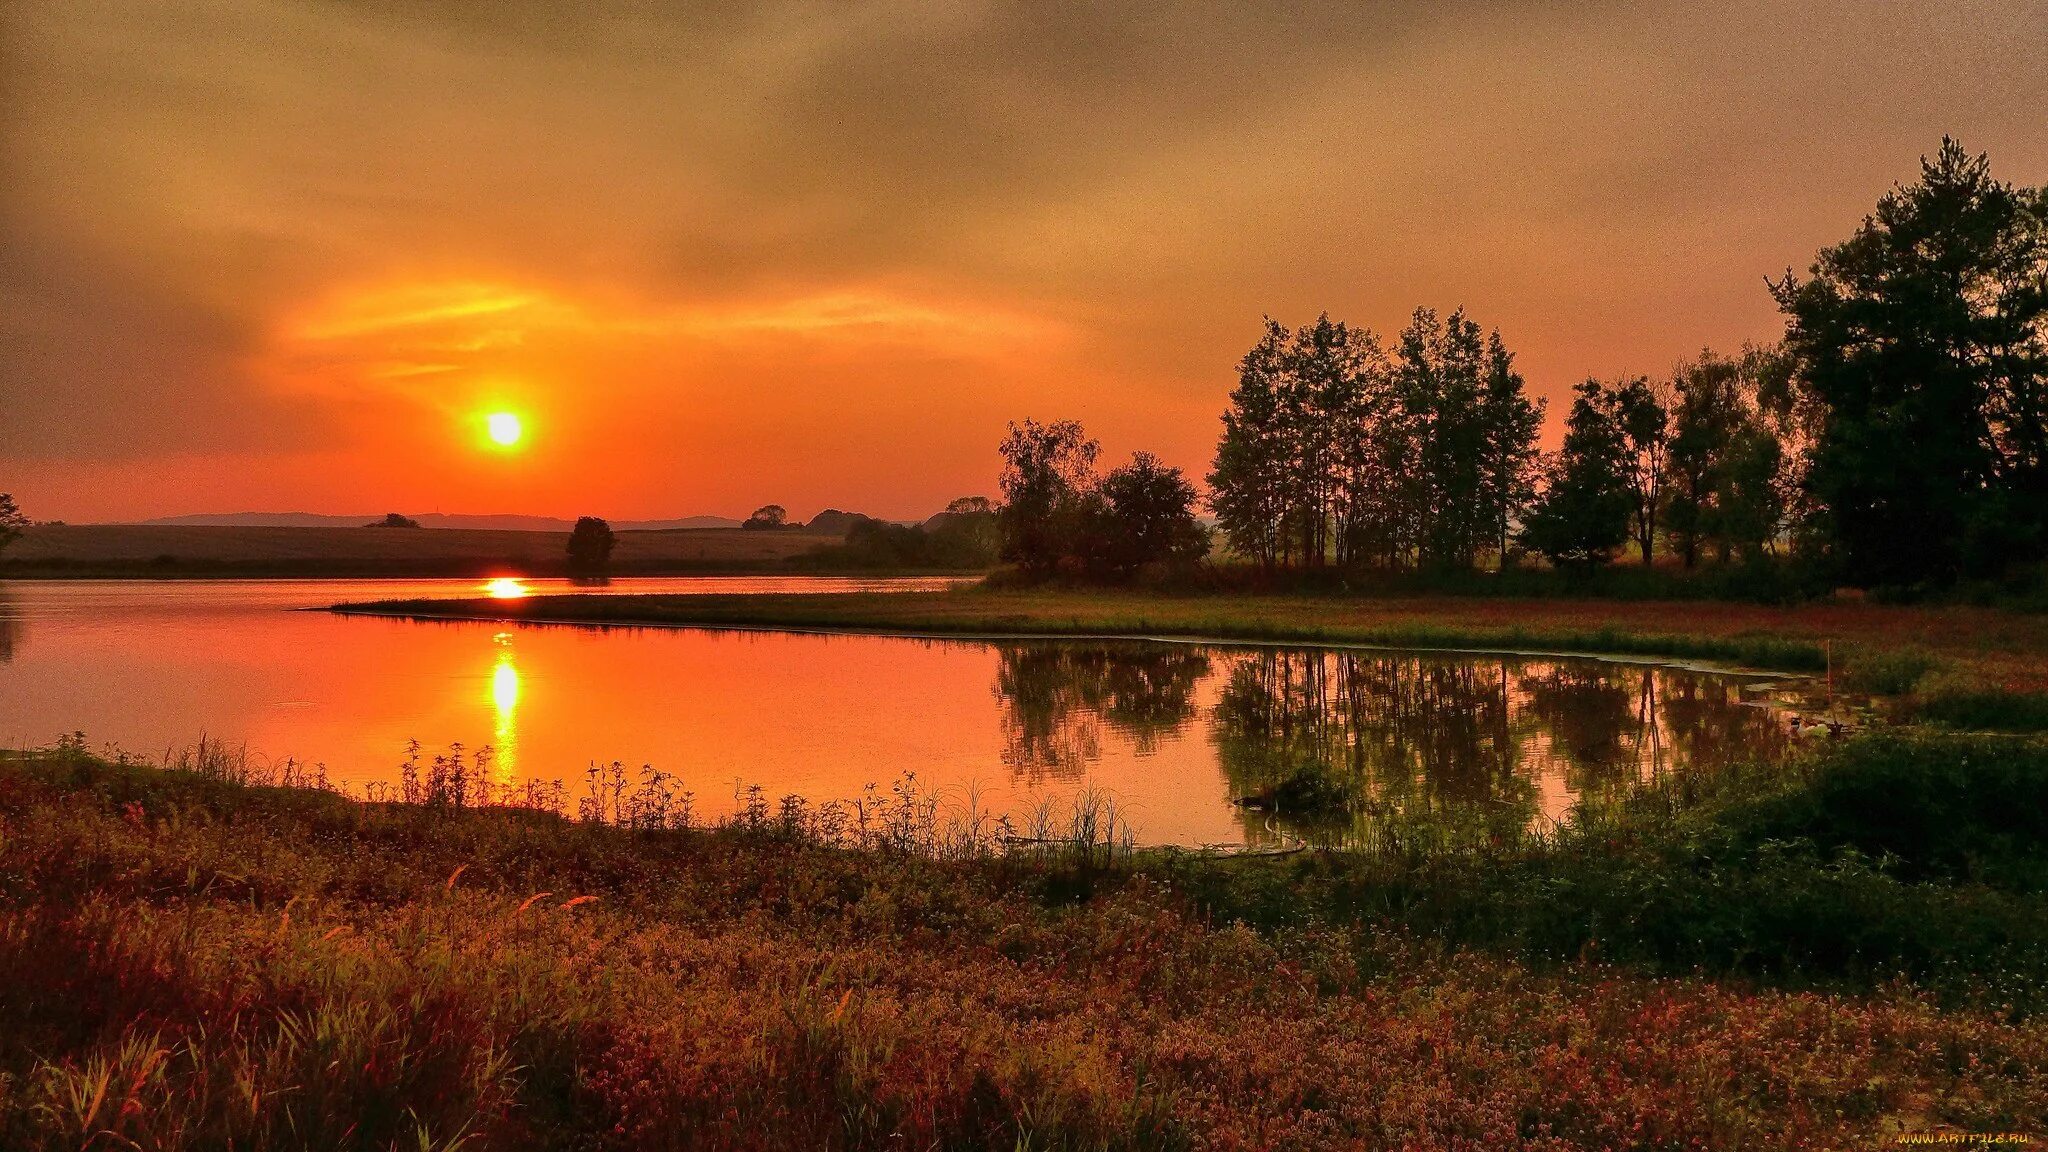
(834, 522)
(502, 522)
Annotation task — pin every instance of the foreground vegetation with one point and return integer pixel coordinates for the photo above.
(196, 960)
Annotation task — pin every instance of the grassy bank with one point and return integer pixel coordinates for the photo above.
(158, 551)
(1872, 647)
(197, 961)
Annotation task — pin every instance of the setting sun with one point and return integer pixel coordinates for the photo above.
(504, 428)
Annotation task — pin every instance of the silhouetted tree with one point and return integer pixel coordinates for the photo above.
(1146, 515)
(1512, 423)
(1706, 412)
(11, 520)
(1922, 344)
(590, 543)
(766, 516)
(1583, 514)
(1048, 469)
(1332, 450)
(394, 520)
(1749, 508)
(1644, 419)
(967, 534)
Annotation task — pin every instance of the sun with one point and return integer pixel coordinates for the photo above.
(504, 428)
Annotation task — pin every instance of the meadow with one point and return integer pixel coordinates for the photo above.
(155, 550)
(199, 957)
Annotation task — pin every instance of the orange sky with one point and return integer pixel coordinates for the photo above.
(283, 256)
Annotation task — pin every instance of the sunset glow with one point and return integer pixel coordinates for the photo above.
(771, 267)
(504, 428)
(506, 588)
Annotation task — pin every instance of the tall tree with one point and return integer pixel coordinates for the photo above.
(1512, 425)
(1922, 343)
(11, 520)
(1048, 469)
(1583, 513)
(1706, 411)
(1641, 414)
(1440, 376)
(1249, 485)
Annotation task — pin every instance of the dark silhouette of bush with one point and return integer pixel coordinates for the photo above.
(393, 520)
(767, 516)
(591, 543)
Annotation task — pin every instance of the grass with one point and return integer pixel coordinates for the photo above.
(197, 957)
(1424, 623)
(1950, 665)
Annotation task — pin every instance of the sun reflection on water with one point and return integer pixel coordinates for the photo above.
(505, 700)
(506, 588)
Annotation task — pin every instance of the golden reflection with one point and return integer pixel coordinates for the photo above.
(506, 588)
(505, 699)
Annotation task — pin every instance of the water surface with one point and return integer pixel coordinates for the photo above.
(1177, 733)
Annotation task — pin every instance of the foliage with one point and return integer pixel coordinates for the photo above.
(394, 520)
(195, 963)
(1921, 345)
(1047, 471)
(1145, 515)
(1058, 516)
(965, 541)
(767, 516)
(1641, 411)
(1583, 514)
(11, 521)
(1335, 451)
(1983, 708)
(590, 542)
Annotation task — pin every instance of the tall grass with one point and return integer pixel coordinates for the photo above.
(194, 958)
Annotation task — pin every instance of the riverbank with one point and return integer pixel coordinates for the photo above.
(154, 551)
(196, 958)
(1875, 648)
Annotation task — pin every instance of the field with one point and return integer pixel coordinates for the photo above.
(1870, 647)
(176, 550)
(192, 959)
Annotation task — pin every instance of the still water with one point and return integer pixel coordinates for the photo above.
(1177, 733)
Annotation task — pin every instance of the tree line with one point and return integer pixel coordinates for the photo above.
(1897, 435)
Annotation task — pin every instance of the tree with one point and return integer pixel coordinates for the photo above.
(967, 534)
(1147, 516)
(1047, 470)
(1921, 343)
(11, 520)
(1583, 513)
(765, 517)
(1645, 424)
(394, 520)
(1727, 464)
(590, 543)
(1749, 504)
(1512, 423)
(1334, 450)
(1706, 412)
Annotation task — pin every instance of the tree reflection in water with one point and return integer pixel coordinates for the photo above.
(1492, 742)
(1058, 696)
(11, 627)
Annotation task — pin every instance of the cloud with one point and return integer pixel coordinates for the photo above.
(255, 224)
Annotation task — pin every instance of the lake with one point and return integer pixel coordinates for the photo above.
(1175, 732)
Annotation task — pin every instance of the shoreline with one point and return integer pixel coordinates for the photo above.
(1640, 659)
